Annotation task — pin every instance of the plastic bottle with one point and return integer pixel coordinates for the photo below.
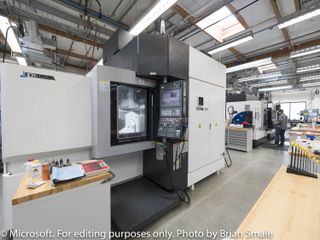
(45, 171)
(27, 166)
(36, 169)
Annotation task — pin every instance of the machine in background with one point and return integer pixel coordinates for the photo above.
(255, 114)
(156, 100)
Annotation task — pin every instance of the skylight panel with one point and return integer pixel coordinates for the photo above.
(225, 24)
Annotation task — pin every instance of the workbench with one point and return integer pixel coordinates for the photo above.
(304, 131)
(73, 206)
(289, 209)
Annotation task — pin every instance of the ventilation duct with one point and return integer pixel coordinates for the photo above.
(37, 49)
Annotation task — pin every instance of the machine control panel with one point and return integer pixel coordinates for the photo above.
(171, 122)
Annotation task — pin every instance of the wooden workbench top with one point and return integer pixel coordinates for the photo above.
(238, 129)
(305, 129)
(23, 194)
(288, 208)
(302, 133)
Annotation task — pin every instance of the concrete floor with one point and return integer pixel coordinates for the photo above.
(221, 201)
(1, 220)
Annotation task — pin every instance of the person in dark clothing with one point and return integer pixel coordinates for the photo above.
(281, 127)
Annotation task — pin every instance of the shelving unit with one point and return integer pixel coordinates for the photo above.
(238, 138)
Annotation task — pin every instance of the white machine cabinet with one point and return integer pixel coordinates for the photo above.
(206, 116)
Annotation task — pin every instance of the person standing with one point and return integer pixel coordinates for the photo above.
(281, 127)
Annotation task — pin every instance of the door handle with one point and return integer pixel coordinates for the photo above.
(210, 126)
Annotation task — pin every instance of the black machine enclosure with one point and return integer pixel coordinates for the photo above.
(153, 57)
(159, 168)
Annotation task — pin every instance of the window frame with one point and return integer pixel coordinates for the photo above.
(286, 102)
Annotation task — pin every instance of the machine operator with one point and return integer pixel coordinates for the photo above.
(281, 127)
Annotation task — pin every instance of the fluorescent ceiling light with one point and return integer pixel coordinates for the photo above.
(309, 78)
(221, 24)
(231, 43)
(304, 15)
(308, 68)
(156, 10)
(310, 84)
(252, 64)
(100, 63)
(11, 38)
(22, 61)
(275, 88)
(267, 67)
(269, 83)
(304, 52)
(261, 76)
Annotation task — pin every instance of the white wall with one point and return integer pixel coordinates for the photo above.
(313, 101)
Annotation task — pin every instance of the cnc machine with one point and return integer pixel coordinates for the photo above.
(158, 120)
(257, 114)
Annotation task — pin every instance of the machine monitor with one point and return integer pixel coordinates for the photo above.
(171, 122)
(128, 113)
(171, 98)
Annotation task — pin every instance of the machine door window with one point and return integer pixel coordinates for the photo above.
(128, 114)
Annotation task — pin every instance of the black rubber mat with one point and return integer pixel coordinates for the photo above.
(272, 146)
(138, 203)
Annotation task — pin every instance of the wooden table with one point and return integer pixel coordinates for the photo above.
(71, 206)
(306, 129)
(24, 194)
(288, 208)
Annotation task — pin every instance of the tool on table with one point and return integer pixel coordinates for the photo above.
(34, 185)
(68, 162)
(61, 174)
(302, 162)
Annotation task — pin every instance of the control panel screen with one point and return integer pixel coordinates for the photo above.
(171, 122)
(171, 97)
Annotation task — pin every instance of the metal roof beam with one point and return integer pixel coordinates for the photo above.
(94, 14)
(61, 14)
(283, 52)
(71, 36)
(55, 27)
(75, 55)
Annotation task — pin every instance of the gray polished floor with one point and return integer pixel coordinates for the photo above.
(221, 201)
(1, 202)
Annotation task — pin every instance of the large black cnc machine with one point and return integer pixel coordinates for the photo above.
(137, 203)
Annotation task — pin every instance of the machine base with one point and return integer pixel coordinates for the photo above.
(301, 172)
(137, 203)
(258, 142)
